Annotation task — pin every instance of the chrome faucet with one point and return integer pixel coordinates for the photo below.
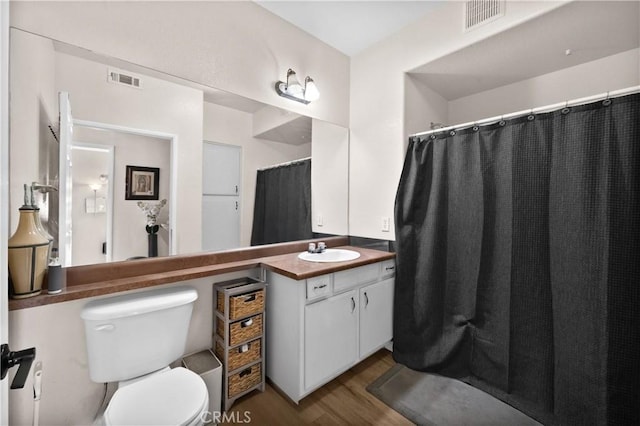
(319, 249)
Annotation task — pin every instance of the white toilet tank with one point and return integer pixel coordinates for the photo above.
(135, 334)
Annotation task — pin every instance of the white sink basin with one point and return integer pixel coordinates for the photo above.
(330, 255)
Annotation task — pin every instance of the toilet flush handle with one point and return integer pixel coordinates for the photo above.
(105, 327)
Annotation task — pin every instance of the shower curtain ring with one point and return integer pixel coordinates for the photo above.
(607, 101)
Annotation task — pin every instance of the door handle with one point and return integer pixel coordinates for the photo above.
(366, 298)
(236, 205)
(22, 358)
(236, 189)
(353, 305)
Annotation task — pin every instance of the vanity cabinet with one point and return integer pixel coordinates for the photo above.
(320, 327)
(376, 316)
(331, 337)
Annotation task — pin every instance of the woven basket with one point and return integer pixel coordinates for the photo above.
(241, 355)
(241, 331)
(245, 379)
(241, 305)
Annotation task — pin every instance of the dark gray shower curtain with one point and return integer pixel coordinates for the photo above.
(518, 252)
(282, 210)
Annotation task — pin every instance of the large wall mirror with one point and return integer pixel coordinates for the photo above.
(198, 148)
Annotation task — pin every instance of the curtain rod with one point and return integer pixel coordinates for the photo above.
(288, 163)
(547, 108)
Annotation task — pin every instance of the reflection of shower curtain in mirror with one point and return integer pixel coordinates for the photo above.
(282, 210)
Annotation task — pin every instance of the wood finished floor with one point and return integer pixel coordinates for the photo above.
(343, 401)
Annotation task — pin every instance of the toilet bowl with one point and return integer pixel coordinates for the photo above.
(175, 397)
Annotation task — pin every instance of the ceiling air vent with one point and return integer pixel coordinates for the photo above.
(480, 12)
(125, 79)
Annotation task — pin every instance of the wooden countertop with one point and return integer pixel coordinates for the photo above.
(115, 277)
(291, 266)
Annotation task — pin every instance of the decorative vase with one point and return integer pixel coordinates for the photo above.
(28, 256)
(153, 245)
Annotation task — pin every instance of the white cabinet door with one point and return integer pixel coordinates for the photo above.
(331, 337)
(376, 316)
(220, 222)
(220, 169)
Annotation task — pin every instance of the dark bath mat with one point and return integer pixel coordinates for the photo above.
(430, 399)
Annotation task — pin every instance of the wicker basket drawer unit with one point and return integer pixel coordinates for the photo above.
(245, 379)
(242, 305)
(241, 331)
(238, 338)
(240, 355)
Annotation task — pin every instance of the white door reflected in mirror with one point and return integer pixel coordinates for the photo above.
(92, 203)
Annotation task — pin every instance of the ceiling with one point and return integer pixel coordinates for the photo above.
(350, 26)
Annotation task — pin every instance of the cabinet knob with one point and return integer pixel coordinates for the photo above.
(366, 298)
(319, 286)
(353, 305)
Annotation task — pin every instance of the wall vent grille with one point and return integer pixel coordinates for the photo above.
(118, 77)
(480, 12)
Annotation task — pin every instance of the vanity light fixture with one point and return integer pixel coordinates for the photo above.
(292, 89)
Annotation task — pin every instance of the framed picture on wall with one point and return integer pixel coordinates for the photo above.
(142, 183)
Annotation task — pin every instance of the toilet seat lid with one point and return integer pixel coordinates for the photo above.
(175, 397)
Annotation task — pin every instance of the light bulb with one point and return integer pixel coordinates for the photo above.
(294, 88)
(311, 92)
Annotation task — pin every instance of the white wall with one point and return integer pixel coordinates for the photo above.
(235, 46)
(160, 106)
(33, 106)
(4, 191)
(329, 178)
(57, 331)
(600, 76)
(232, 127)
(422, 106)
(377, 108)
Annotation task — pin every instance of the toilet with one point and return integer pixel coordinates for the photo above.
(132, 339)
